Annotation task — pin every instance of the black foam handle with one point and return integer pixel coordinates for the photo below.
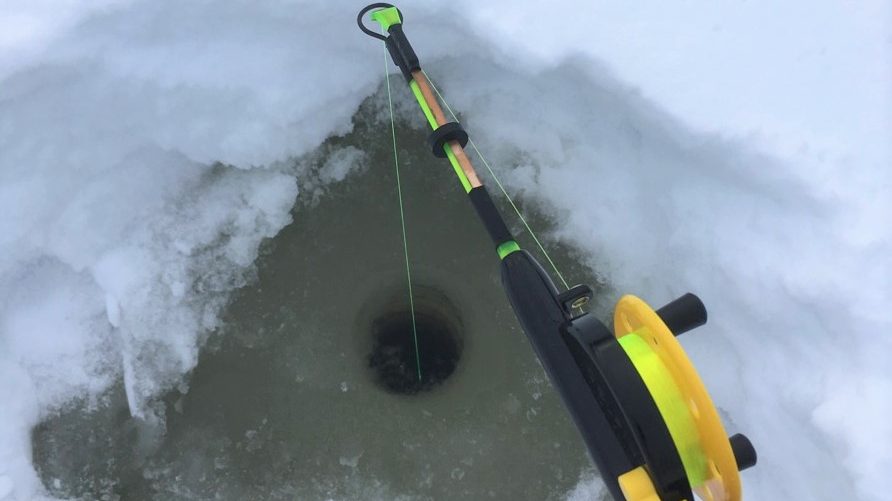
(683, 314)
(490, 216)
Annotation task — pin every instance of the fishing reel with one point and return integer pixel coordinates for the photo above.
(640, 405)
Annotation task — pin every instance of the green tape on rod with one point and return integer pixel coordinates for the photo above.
(507, 248)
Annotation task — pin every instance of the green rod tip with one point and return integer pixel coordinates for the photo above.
(387, 17)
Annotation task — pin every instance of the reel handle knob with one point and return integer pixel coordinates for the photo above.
(683, 314)
(744, 452)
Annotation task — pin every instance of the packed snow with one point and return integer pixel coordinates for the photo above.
(736, 149)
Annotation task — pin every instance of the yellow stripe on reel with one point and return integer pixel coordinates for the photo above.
(670, 402)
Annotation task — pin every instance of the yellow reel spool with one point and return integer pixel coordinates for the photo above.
(722, 480)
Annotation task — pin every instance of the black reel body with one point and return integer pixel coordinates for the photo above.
(611, 405)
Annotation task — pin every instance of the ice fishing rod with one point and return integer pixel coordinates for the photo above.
(642, 410)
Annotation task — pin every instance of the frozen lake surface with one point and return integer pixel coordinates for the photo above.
(284, 404)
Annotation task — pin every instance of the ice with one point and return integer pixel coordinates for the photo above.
(351, 460)
(737, 150)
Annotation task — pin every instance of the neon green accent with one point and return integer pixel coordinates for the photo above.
(387, 18)
(424, 107)
(507, 248)
(399, 191)
(671, 405)
(466, 184)
(501, 187)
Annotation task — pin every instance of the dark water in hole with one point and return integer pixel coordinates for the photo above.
(402, 367)
(283, 404)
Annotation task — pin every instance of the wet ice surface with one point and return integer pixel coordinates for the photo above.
(283, 404)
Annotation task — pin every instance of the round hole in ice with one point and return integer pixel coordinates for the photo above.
(395, 358)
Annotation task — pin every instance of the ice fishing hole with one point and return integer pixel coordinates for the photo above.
(394, 360)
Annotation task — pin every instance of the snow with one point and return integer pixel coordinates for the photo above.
(671, 211)
(736, 149)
